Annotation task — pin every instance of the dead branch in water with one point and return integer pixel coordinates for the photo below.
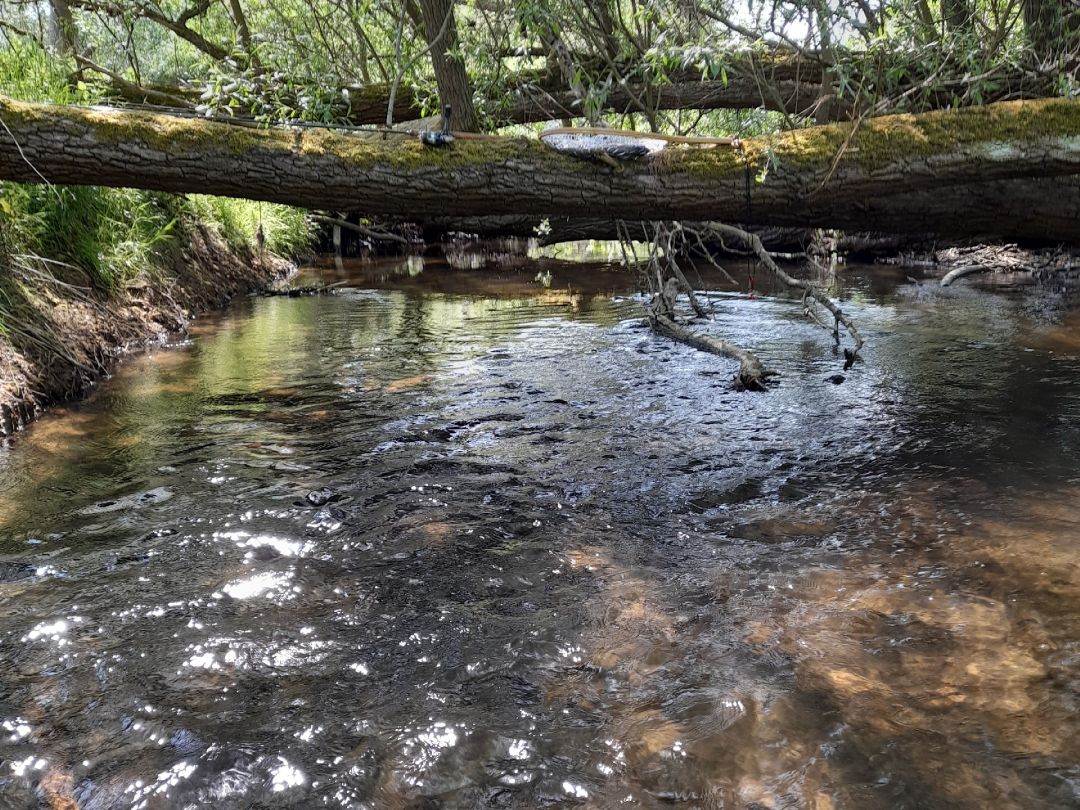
(963, 270)
(1009, 258)
(752, 372)
(661, 274)
(810, 290)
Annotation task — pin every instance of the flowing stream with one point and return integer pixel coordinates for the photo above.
(452, 539)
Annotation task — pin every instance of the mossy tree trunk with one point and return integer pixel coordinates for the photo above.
(976, 171)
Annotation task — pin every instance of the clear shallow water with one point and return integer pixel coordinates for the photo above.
(562, 563)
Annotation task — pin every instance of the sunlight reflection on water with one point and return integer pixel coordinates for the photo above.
(388, 548)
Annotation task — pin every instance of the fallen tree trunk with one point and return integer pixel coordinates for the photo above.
(776, 78)
(787, 86)
(904, 170)
(368, 105)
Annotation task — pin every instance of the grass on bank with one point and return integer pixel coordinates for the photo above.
(114, 235)
(287, 231)
(84, 245)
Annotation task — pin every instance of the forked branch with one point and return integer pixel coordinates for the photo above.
(810, 290)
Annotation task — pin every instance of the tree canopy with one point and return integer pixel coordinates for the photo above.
(671, 65)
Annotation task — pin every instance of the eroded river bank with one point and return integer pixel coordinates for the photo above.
(463, 541)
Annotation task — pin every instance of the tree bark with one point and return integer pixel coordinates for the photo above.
(449, 67)
(243, 32)
(966, 270)
(752, 376)
(790, 84)
(179, 26)
(550, 100)
(956, 15)
(1053, 28)
(794, 89)
(953, 172)
(777, 239)
(63, 35)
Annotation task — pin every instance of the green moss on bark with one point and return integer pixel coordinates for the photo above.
(876, 143)
(997, 130)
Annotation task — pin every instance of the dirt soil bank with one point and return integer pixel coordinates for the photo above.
(76, 335)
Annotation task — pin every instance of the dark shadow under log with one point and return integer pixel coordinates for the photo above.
(373, 234)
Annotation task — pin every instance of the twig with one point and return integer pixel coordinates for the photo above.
(752, 372)
(26, 160)
(370, 233)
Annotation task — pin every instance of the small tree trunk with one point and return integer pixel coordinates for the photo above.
(63, 36)
(243, 32)
(1053, 28)
(956, 15)
(441, 33)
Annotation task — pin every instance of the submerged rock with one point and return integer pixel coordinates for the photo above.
(321, 496)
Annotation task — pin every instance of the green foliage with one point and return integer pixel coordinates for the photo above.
(313, 61)
(102, 236)
(111, 235)
(287, 230)
(28, 73)
(116, 235)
